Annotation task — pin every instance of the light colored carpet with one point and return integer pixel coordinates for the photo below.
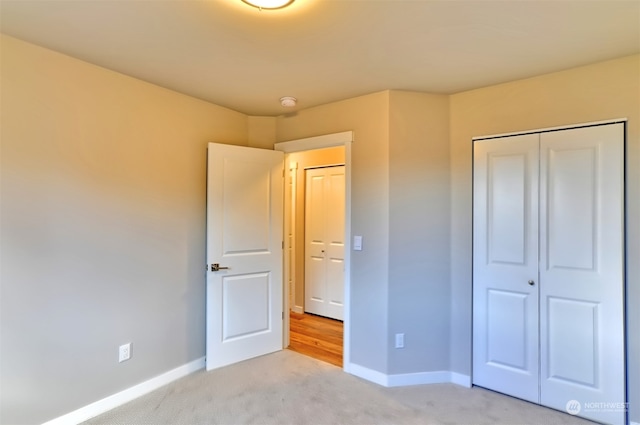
(289, 388)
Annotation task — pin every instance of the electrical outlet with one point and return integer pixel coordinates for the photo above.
(399, 340)
(124, 352)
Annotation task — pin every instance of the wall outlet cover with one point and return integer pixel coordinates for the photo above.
(124, 352)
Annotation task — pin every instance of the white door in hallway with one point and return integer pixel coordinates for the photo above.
(324, 241)
(548, 259)
(244, 253)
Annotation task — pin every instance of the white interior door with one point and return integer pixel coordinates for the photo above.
(324, 241)
(581, 271)
(244, 237)
(505, 265)
(551, 205)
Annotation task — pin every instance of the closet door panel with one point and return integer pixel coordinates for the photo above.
(571, 208)
(581, 270)
(505, 310)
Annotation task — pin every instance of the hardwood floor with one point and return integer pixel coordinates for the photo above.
(317, 337)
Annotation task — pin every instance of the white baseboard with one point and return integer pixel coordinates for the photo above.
(366, 373)
(94, 409)
(462, 380)
(297, 309)
(404, 379)
(419, 378)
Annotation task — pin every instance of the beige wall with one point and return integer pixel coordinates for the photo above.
(304, 160)
(102, 229)
(597, 92)
(368, 117)
(261, 132)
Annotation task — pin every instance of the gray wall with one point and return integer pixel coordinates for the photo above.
(419, 295)
(400, 205)
(102, 230)
(368, 117)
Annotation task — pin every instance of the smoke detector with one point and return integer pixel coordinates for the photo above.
(288, 101)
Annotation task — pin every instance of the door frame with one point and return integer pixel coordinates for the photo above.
(345, 139)
(623, 121)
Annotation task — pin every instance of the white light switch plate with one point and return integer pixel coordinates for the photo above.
(357, 243)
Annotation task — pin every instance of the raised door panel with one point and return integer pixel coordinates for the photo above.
(246, 207)
(570, 213)
(572, 357)
(506, 209)
(248, 292)
(507, 330)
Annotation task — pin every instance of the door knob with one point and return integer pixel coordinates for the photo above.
(215, 267)
(531, 282)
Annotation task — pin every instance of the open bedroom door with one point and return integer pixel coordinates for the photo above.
(244, 253)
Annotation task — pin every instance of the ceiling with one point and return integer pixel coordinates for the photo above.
(321, 51)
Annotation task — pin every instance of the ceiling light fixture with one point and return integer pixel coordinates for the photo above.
(288, 101)
(268, 4)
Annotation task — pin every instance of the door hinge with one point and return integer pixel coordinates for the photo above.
(283, 315)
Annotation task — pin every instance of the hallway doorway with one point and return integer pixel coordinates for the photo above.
(316, 336)
(307, 333)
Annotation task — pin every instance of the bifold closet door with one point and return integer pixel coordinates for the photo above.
(548, 269)
(581, 271)
(505, 265)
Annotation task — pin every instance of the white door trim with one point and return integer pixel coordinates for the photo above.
(290, 226)
(542, 130)
(316, 142)
(345, 139)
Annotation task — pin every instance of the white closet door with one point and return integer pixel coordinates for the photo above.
(324, 241)
(505, 265)
(581, 271)
(335, 238)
